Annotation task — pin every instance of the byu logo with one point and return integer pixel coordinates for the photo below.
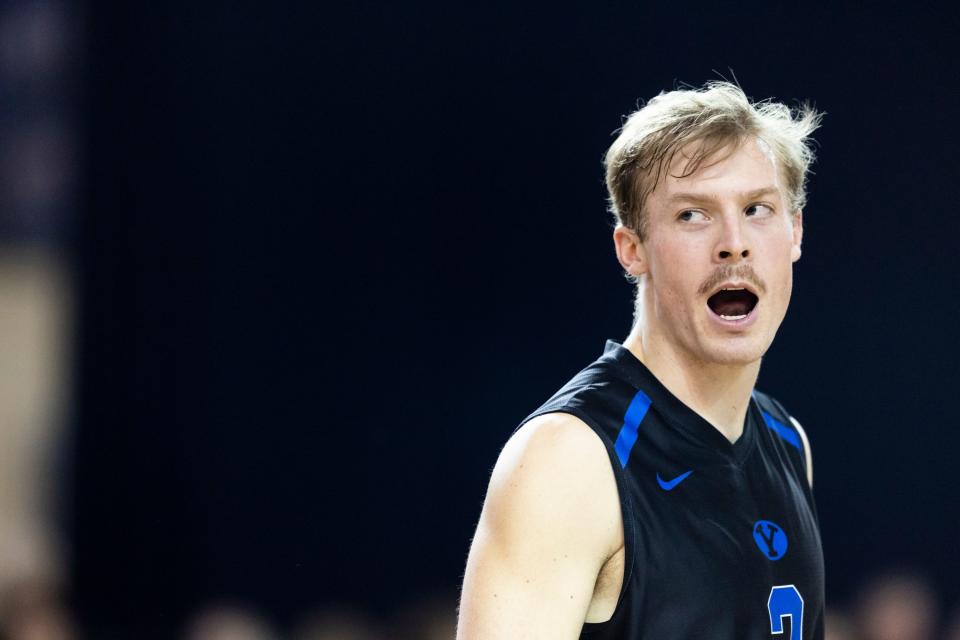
(770, 539)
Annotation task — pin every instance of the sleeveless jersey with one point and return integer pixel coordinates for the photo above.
(721, 540)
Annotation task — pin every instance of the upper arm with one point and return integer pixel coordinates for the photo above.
(550, 520)
(807, 454)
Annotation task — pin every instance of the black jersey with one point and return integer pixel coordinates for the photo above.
(721, 539)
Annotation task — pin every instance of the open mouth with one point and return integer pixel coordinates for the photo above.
(732, 304)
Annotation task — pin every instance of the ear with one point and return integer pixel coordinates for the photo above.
(797, 235)
(630, 251)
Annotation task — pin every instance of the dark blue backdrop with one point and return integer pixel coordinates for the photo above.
(331, 257)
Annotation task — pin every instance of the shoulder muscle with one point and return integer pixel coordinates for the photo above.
(554, 470)
(550, 521)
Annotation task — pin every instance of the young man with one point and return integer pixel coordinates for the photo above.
(657, 495)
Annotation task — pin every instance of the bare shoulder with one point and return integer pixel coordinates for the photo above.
(555, 473)
(550, 522)
(560, 438)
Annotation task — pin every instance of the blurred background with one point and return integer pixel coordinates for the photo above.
(278, 281)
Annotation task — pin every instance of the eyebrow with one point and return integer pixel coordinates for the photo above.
(711, 198)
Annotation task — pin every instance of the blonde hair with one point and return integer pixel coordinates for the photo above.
(719, 116)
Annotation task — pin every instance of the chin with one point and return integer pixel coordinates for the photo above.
(734, 354)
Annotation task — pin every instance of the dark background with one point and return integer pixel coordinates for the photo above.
(330, 257)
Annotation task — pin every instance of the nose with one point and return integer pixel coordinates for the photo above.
(732, 244)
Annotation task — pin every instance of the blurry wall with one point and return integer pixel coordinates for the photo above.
(34, 382)
(38, 176)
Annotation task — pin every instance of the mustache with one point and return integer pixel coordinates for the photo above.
(726, 272)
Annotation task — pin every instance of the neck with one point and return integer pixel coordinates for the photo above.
(720, 393)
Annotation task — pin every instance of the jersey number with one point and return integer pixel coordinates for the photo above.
(785, 601)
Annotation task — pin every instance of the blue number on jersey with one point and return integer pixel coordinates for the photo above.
(786, 601)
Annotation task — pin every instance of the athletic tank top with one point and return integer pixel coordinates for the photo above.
(721, 540)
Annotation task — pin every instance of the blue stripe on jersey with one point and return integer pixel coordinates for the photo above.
(631, 421)
(782, 430)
